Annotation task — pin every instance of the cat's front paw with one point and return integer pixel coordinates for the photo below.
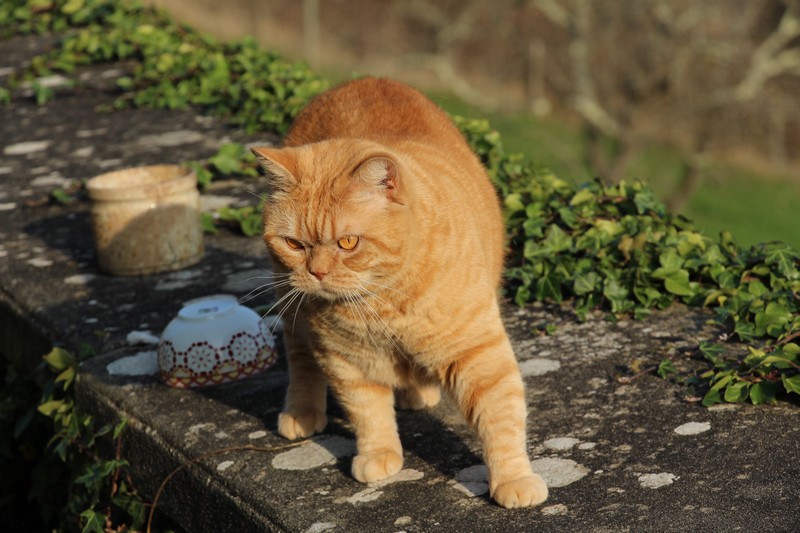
(416, 398)
(523, 492)
(298, 425)
(376, 466)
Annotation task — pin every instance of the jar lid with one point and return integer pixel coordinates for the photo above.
(139, 183)
(208, 307)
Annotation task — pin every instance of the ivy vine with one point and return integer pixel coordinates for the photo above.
(168, 65)
(616, 247)
(100, 493)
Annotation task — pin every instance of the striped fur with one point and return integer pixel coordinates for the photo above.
(413, 306)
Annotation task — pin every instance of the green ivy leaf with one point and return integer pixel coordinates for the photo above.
(522, 296)
(722, 380)
(776, 361)
(581, 197)
(791, 383)
(228, 159)
(548, 286)
(773, 319)
(666, 368)
(251, 225)
(678, 283)
(72, 6)
(568, 217)
(712, 397)
(513, 203)
(586, 283)
(711, 351)
(555, 241)
(51, 407)
(763, 392)
(67, 376)
(670, 262)
(42, 93)
(784, 258)
(59, 359)
(756, 288)
(133, 505)
(616, 293)
(61, 196)
(737, 392)
(93, 521)
(207, 223)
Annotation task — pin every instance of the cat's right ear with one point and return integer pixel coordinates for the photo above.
(279, 165)
(380, 171)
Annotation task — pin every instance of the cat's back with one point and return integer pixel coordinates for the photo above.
(377, 109)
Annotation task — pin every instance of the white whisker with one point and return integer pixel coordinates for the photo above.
(382, 286)
(263, 289)
(276, 304)
(387, 331)
(369, 292)
(270, 275)
(296, 309)
(353, 303)
(248, 191)
(292, 295)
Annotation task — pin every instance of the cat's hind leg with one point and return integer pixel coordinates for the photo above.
(485, 381)
(418, 397)
(421, 392)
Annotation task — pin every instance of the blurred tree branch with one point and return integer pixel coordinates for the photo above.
(448, 31)
(775, 56)
(711, 77)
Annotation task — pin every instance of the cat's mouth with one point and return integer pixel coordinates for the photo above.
(331, 293)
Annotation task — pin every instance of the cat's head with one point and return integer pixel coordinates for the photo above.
(336, 215)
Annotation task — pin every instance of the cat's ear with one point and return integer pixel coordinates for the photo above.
(279, 164)
(380, 172)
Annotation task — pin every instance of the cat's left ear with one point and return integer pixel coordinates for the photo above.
(279, 164)
(381, 173)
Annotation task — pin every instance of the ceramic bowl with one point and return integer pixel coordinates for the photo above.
(214, 340)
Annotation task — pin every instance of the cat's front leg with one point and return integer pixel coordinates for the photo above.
(304, 409)
(486, 383)
(370, 410)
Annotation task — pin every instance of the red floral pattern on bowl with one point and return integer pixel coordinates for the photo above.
(214, 340)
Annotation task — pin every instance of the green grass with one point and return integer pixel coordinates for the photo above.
(755, 208)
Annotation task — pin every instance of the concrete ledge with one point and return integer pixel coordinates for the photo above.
(618, 457)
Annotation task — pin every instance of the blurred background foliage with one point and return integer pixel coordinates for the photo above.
(699, 99)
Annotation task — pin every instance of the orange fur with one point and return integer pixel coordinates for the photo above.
(414, 302)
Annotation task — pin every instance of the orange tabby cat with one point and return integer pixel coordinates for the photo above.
(390, 240)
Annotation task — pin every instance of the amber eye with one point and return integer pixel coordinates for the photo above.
(348, 243)
(294, 244)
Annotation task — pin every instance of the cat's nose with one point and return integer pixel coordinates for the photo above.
(319, 275)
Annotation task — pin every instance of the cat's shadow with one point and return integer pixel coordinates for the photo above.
(427, 435)
(427, 438)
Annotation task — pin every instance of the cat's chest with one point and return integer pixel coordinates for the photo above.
(370, 325)
(382, 342)
(370, 320)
